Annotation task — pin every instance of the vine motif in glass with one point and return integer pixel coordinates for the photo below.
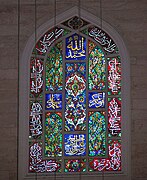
(54, 69)
(97, 68)
(97, 134)
(53, 134)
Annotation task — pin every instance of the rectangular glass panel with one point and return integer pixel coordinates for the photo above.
(53, 134)
(54, 69)
(97, 68)
(114, 117)
(96, 99)
(114, 76)
(75, 144)
(53, 101)
(75, 47)
(97, 134)
(75, 94)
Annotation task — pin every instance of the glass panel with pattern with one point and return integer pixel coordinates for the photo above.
(75, 101)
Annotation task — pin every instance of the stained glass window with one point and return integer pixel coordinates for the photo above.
(75, 101)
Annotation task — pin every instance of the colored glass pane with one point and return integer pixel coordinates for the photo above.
(53, 101)
(38, 165)
(75, 47)
(35, 119)
(36, 77)
(75, 165)
(75, 144)
(97, 67)
(112, 163)
(47, 40)
(97, 134)
(96, 100)
(54, 69)
(114, 76)
(75, 102)
(75, 116)
(102, 38)
(114, 117)
(53, 134)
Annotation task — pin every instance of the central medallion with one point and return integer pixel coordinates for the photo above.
(75, 85)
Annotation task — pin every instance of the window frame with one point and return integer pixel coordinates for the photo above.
(24, 79)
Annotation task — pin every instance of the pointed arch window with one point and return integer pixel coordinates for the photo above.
(75, 99)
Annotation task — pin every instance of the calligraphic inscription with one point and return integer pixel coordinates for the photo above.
(96, 99)
(35, 119)
(114, 76)
(112, 163)
(36, 77)
(48, 38)
(37, 164)
(53, 101)
(114, 117)
(54, 69)
(97, 134)
(97, 68)
(75, 47)
(75, 165)
(53, 134)
(75, 97)
(101, 37)
(75, 144)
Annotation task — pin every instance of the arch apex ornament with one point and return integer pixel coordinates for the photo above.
(75, 96)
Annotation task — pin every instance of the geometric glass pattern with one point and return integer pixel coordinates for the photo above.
(75, 104)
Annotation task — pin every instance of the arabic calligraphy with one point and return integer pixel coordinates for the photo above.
(37, 164)
(114, 75)
(75, 144)
(102, 38)
(53, 101)
(36, 78)
(46, 41)
(36, 119)
(113, 163)
(114, 117)
(96, 100)
(75, 47)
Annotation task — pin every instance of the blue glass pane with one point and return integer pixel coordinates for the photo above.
(96, 100)
(75, 144)
(75, 47)
(53, 101)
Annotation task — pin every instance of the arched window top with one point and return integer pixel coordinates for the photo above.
(75, 100)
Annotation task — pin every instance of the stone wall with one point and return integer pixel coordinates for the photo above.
(128, 17)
